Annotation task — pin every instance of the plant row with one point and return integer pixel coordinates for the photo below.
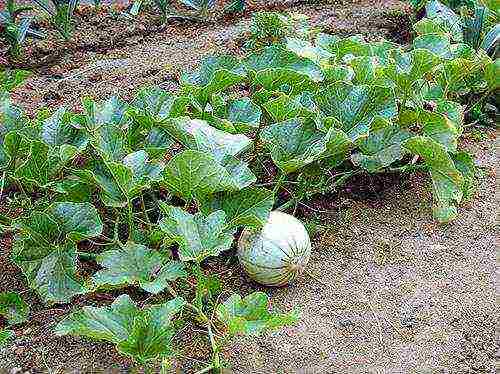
(152, 188)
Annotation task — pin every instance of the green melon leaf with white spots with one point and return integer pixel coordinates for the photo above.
(59, 129)
(198, 236)
(120, 182)
(244, 114)
(406, 71)
(447, 181)
(13, 308)
(135, 264)
(46, 257)
(251, 315)
(435, 9)
(144, 334)
(285, 107)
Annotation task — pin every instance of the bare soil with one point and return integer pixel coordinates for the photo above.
(389, 290)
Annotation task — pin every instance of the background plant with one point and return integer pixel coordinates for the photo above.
(61, 14)
(15, 29)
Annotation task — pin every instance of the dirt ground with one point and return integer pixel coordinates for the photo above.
(391, 291)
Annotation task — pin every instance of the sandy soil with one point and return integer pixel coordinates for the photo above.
(392, 291)
(395, 293)
(103, 66)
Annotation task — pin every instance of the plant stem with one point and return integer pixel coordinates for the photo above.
(130, 217)
(85, 256)
(279, 182)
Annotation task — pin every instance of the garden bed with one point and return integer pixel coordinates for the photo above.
(387, 289)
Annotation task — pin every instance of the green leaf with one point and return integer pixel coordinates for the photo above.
(198, 236)
(437, 10)
(294, 143)
(193, 174)
(41, 166)
(49, 269)
(58, 129)
(249, 207)
(121, 182)
(13, 308)
(492, 75)
(441, 46)
(434, 125)
(214, 75)
(285, 80)
(285, 107)
(143, 334)
(464, 163)
(251, 315)
(244, 114)
(79, 220)
(152, 106)
(5, 337)
(306, 49)
(111, 112)
(447, 181)
(199, 135)
(46, 259)
(354, 107)
(286, 62)
(407, 70)
(135, 264)
(382, 147)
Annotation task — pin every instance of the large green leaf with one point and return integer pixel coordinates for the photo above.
(492, 75)
(406, 71)
(44, 255)
(354, 107)
(451, 20)
(78, 220)
(244, 114)
(152, 105)
(111, 112)
(135, 264)
(143, 334)
(58, 129)
(251, 315)
(199, 135)
(249, 207)
(447, 181)
(285, 107)
(198, 236)
(120, 182)
(50, 270)
(294, 143)
(285, 80)
(306, 49)
(194, 174)
(441, 46)
(382, 147)
(214, 75)
(13, 308)
(279, 59)
(42, 164)
(435, 125)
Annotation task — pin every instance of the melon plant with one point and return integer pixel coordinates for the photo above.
(150, 190)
